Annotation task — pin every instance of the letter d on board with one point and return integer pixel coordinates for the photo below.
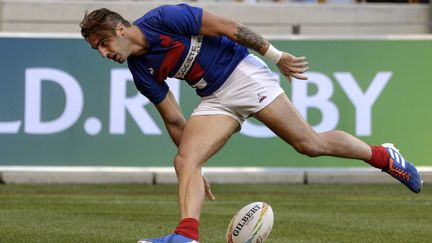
(33, 99)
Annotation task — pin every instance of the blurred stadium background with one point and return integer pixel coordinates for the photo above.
(67, 116)
(305, 17)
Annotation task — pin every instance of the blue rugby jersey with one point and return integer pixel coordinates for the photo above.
(177, 50)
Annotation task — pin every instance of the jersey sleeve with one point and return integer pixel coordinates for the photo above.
(181, 19)
(148, 86)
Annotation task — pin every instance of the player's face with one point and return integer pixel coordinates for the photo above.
(113, 47)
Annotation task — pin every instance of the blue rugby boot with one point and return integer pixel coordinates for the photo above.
(403, 170)
(171, 238)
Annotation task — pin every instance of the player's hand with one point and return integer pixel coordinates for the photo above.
(208, 191)
(292, 66)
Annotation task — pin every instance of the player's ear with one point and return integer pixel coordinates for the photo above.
(120, 29)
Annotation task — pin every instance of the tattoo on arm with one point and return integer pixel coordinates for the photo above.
(250, 39)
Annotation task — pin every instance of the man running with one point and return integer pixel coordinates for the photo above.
(211, 54)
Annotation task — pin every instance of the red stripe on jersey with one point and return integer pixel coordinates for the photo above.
(172, 57)
(195, 73)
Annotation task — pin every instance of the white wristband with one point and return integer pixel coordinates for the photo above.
(273, 54)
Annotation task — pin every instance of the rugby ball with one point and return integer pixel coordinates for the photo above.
(252, 224)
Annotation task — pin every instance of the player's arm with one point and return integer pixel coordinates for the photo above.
(289, 65)
(172, 116)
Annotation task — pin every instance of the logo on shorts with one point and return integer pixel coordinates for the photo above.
(261, 97)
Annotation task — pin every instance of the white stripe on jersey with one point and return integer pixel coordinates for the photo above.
(194, 49)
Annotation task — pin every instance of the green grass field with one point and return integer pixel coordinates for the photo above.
(125, 213)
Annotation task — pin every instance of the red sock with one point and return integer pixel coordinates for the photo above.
(188, 227)
(380, 157)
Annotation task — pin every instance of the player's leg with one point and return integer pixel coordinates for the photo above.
(202, 137)
(283, 119)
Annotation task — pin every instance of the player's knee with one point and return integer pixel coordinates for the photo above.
(180, 163)
(310, 148)
(185, 168)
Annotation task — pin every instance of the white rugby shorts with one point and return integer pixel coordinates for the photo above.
(249, 88)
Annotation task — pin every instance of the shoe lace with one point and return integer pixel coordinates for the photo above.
(395, 171)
